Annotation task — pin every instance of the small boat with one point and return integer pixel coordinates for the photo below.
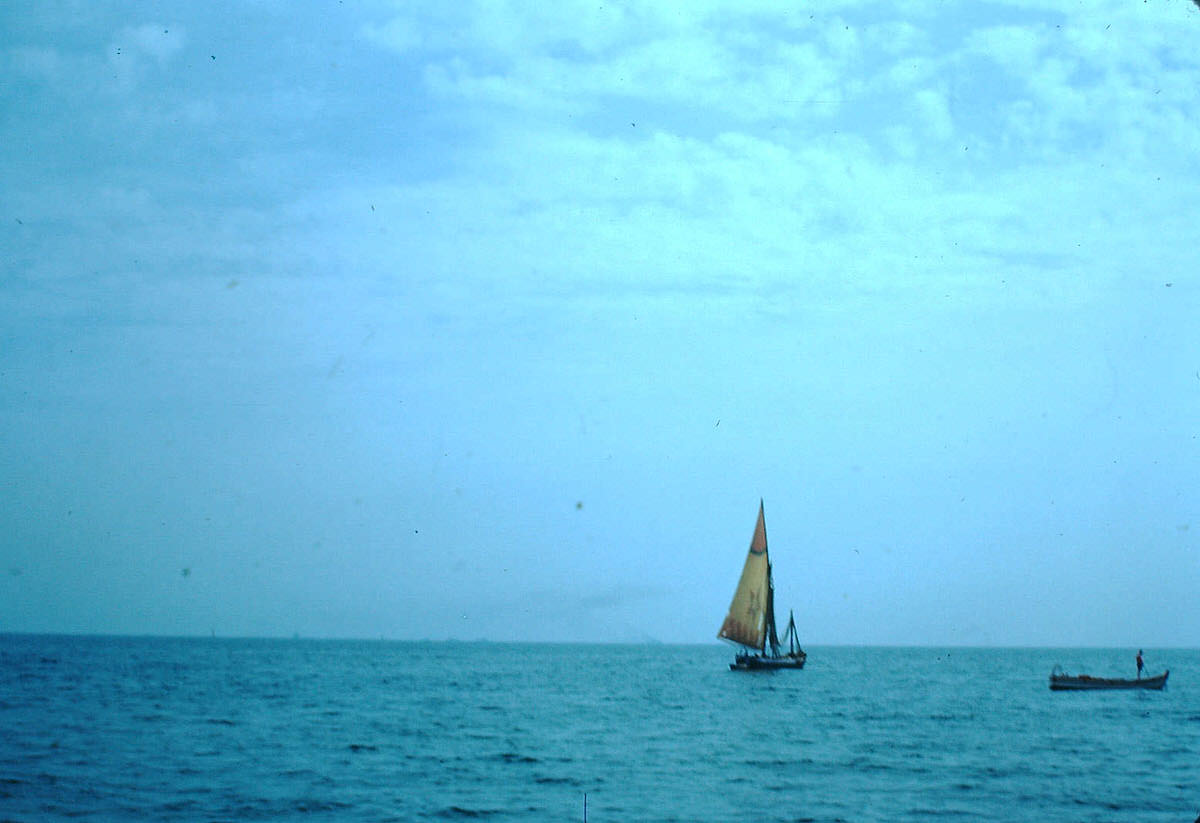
(1060, 681)
(751, 619)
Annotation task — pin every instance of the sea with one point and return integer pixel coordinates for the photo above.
(213, 729)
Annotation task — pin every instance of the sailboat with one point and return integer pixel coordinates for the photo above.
(751, 619)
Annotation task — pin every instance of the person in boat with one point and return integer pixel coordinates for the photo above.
(1139, 664)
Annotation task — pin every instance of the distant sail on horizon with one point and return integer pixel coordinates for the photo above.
(750, 621)
(746, 621)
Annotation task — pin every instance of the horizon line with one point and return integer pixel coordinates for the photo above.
(484, 640)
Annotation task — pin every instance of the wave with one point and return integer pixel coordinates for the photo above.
(512, 757)
(459, 811)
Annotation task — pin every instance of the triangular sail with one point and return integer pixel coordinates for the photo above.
(746, 621)
(792, 637)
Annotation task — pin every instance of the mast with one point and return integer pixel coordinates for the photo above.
(772, 638)
(769, 638)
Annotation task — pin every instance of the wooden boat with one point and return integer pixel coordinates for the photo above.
(1060, 681)
(751, 619)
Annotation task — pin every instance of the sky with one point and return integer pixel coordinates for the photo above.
(496, 320)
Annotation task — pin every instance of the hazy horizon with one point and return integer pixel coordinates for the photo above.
(431, 641)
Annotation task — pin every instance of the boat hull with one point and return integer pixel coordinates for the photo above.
(756, 663)
(1084, 683)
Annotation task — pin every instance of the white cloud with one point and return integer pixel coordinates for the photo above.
(1017, 48)
(935, 113)
(401, 34)
(741, 66)
(161, 42)
(136, 51)
(778, 146)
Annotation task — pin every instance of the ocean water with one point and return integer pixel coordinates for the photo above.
(151, 729)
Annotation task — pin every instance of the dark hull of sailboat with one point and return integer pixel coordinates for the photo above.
(757, 662)
(1084, 683)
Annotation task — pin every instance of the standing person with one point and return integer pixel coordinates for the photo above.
(1139, 664)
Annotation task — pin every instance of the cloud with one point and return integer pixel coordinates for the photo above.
(158, 41)
(401, 34)
(136, 51)
(1018, 49)
(653, 145)
(578, 59)
(935, 113)
(659, 146)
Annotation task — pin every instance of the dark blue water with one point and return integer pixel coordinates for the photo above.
(131, 729)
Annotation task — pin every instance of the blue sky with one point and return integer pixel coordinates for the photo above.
(487, 320)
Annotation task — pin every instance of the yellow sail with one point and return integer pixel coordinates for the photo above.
(746, 621)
